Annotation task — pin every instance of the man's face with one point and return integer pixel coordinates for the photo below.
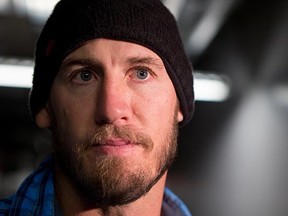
(114, 116)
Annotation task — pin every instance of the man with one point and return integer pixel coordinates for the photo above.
(112, 83)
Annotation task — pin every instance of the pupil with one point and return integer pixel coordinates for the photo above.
(86, 76)
(142, 74)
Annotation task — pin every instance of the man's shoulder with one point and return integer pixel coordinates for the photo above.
(173, 205)
(5, 205)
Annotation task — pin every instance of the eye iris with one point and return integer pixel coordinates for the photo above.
(142, 74)
(86, 76)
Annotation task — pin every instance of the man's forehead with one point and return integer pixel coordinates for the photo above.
(130, 53)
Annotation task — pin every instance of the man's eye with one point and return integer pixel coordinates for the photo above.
(85, 75)
(142, 74)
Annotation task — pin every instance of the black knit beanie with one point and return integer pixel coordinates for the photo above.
(144, 22)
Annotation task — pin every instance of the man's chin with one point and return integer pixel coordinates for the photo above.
(111, 181)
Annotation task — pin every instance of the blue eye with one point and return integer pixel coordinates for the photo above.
(142, 74)
(86, 75)
(83, 77)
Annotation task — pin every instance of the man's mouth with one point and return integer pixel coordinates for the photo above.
(116, 142)
(115, 146)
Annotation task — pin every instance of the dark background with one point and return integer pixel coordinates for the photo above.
(232, 156)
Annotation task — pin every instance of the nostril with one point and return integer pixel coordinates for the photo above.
(101, 122)
(105, 121)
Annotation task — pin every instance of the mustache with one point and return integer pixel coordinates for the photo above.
(105, 132)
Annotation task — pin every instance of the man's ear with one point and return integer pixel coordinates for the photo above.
(180, 116)
(43, 118)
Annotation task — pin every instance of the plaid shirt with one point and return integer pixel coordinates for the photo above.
(35, 196)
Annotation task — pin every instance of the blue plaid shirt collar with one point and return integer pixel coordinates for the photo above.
(35, 196)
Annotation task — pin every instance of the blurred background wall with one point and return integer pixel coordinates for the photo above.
(232, 158)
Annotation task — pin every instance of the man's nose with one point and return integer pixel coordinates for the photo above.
(113, 103)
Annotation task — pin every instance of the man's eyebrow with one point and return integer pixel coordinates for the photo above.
(146, 60)
(85, 61)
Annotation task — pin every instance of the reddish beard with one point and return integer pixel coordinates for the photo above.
(107, 182)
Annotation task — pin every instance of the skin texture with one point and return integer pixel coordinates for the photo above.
(114, 115)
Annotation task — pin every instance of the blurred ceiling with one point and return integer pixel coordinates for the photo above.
(199, 21)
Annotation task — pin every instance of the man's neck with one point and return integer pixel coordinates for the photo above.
(70, 203)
